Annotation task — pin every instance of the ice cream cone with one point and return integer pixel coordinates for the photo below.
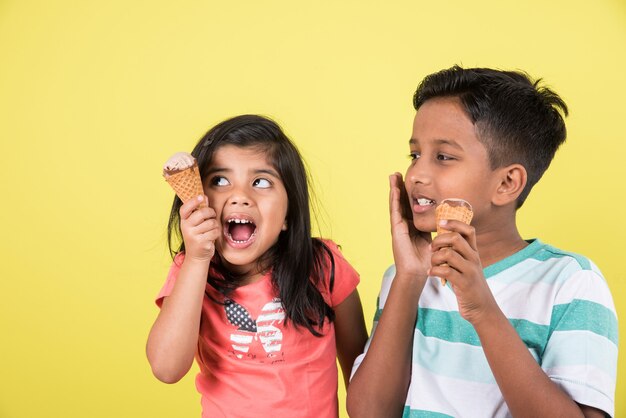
(186, 182)
(453, 209)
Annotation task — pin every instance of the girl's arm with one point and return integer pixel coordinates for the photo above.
(350, 332)
(380, 384)
(173, 338)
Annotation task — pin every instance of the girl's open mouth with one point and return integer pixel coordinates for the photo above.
(240, 232)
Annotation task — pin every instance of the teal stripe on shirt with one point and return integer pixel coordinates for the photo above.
(418, 413)
(450, 326)
(585, 315)
(446, 325)
(539, 252)
(548, 252)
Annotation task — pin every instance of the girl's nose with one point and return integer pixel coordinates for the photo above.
(239, 197)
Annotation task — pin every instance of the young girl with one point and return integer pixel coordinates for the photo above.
(264, 307)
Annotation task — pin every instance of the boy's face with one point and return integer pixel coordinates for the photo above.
(448, 161)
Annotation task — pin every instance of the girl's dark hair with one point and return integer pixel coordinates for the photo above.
(517, 120)
(299, 262)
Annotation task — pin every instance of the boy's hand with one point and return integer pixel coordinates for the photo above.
(455, 258)
(200, 229)
(411, 251)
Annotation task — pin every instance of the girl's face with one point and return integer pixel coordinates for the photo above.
(251, 202)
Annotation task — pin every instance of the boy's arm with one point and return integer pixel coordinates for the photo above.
(379, 386)
(350, 332)
(526, 389)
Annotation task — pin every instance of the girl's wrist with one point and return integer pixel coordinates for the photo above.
(193, 262)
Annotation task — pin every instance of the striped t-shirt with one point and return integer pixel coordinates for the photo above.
(559, 304)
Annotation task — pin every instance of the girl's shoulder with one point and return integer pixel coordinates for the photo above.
(329, 243)
(179, 258)
(330, 252)
(340, 277)
(330, 246)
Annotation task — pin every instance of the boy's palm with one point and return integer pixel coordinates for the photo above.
(411, 248)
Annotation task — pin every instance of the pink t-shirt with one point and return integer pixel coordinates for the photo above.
(252, 364)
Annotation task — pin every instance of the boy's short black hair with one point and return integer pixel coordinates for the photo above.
(517, 120)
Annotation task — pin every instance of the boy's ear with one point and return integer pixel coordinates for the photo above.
(512, 180)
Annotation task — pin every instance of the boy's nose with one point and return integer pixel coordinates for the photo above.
(417, 173)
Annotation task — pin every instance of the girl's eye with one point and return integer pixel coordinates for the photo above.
(443, 157)
(262, 183)
(414, 156)
(219, 181)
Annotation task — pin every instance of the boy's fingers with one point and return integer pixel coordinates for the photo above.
(445, 272)
(466, 231)
(447, 256)
(394, 198)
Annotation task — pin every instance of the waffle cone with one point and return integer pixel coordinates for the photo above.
(458, 211)
(186, 183)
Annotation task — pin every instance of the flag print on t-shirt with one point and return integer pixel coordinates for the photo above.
(264, 329)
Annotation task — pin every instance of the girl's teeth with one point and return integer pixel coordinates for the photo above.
(239, 221)
(424, 202)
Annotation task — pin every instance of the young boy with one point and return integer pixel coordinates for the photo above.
(521, 329)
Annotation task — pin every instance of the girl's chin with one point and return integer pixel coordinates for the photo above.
(239, 263)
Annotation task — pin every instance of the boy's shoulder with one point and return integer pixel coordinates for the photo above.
(537, 262)
(547, 252)
(547, 263)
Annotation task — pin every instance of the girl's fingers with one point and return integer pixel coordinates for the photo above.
(206, 226)
(190, 206)
(200, 215)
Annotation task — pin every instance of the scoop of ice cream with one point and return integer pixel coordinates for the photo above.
(453, 209)
(177, 162)
(181, 172)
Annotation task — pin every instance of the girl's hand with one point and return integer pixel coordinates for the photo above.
(200, 229)
(411, 250)
(455, 258)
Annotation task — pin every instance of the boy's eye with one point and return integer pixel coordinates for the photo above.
(219, 181)
(414, 155)
(262, 183)
(443, 157)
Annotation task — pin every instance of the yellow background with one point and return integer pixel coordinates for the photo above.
(95, 95)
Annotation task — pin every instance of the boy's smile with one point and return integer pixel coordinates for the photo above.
(250, 200)
(447, 161)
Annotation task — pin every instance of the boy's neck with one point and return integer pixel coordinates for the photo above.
(498, 243)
